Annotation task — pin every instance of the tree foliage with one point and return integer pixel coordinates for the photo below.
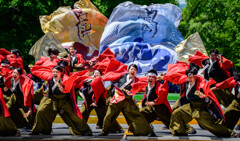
(218, 23)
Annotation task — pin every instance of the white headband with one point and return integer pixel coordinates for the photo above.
(4, 64)
(153, 74)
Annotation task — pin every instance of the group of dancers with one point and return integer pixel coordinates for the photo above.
(55, 83)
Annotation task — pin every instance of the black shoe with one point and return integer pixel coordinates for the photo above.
(237, 127)
(121, 131)
(33, 133)
(152, 135)
(178, 134)
(193, 131)
(27, 127)
(102, 134)
(88, 134)
(18, 133)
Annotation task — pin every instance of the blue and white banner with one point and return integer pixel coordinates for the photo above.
(145, 35)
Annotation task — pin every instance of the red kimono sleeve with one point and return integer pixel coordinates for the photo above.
(139, 85)
(4, 109)
(43, 72)
(225, 64)
(162, 93)
(102, 66)
(197, 58)
(80, 59)
(228, 83)
(106, 53)
(4, 52)
(98, 88)
(176, 73)
(114, 70)
(27, 90)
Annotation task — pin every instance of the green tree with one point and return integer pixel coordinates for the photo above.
(218, 23)
(20, 26)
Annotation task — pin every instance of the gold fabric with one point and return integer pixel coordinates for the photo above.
(84, 4)
(189, 47)
(40, 48)
(84, 24)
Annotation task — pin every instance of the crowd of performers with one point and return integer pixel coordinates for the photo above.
(55, 83)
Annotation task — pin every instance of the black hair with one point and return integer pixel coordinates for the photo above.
(15, 51)
(63, 62)
(236, 74)
(215, 51)
(99, 72)
(153, 71)
(6, 61)
(193, 69)
(19, 70)
(53, 51)
(59, 68)
(133, 65)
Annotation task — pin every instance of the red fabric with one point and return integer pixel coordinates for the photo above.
(44, 61)
(228, 83)
(98, 89)
(75, 107)
(1, 58)
(106, 53)
(176, 73)
(197, 58)
(5, 72)
(80, 59)
(102, 66)
(30, 75)
(43, 72)
(114, 70)
(225, 65)
(4, 52)
(16, 62)
(119, 97)
(162, 93)
(70, 84)
(5, 111)
(139, 85)
(27, 90)
(74, 80)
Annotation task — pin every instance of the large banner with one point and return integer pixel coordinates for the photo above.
(83, 25)
(145, 35)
